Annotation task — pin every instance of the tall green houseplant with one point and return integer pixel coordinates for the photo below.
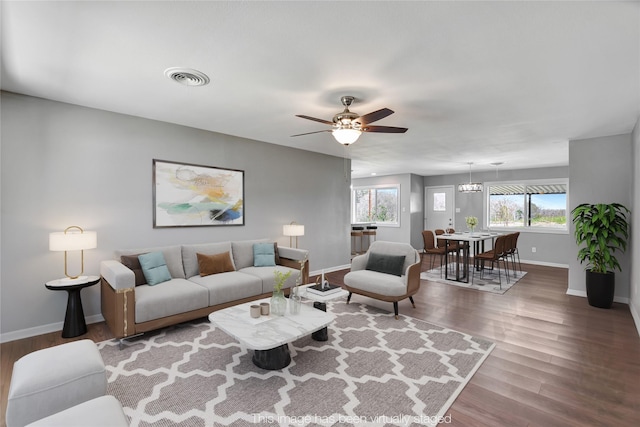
(601, 230)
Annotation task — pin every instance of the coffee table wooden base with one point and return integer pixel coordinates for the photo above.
(272, 359)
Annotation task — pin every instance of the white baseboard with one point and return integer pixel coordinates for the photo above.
(544, 263)
(575, 293)
(636, 317)
(44, 329)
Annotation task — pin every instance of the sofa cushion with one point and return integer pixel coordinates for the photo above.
(154, 268)
(389, 264)
(168, 298)
(133, 263)
(214, 264)
(242, 252)
(266, 276)
(190, 259)
(379, 283)
(53, 379)
(230, 286)
(264, 255)
(103, 411)
(172, 256)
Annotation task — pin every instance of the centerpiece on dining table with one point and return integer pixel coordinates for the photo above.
(471, 221)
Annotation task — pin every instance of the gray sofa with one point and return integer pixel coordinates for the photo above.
(130, 310)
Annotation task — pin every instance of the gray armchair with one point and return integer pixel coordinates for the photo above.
(388, 271)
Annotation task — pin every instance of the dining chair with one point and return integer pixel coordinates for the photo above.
(453, 246)
(494, 256)
(513, 251)
(431, 249)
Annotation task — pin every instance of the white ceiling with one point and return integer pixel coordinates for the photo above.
(478, 82)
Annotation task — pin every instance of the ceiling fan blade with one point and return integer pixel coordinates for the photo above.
(326, 122)
(384, 129)
(375, 116)
(309, 133)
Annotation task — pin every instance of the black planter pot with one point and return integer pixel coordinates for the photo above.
(600, 288)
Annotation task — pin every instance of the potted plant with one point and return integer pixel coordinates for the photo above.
(603, 230)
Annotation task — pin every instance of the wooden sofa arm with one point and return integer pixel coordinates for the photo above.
(413, 278)
(118, 299)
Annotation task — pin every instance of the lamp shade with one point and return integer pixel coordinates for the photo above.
(72, 240)
(293, 230)
(346, 136)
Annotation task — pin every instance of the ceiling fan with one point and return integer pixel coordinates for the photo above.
(347, 126)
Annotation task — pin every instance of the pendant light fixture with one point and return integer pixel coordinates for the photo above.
(471, 187)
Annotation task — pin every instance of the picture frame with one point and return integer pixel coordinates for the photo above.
(191, 195)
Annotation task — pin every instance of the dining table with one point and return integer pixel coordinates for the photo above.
(462, 261)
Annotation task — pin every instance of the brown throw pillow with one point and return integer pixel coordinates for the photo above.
(214, 264)
(133, 263)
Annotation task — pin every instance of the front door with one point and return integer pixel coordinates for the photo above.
(439, 207)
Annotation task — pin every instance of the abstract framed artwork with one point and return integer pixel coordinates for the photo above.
(188, 195)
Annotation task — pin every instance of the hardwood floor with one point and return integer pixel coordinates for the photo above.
(557, 361)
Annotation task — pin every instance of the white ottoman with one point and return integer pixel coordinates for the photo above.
(104, 411)
(54, 379)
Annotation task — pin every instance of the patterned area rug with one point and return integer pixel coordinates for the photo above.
(489, 282)
(374, 370)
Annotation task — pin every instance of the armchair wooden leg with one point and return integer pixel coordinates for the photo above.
(412, 303)
(395, 308)
(349, 297)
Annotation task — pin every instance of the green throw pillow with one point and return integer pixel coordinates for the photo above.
(264, 255)
(389, 264)
(154, 268)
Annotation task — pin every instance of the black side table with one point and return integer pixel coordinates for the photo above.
(74, 323)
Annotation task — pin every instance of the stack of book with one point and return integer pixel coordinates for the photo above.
(323, 290)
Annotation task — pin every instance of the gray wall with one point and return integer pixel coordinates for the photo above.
(600, 171)
(67, 165)
(394, 234)
(634, 291)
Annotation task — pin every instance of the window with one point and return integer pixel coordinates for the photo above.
(377, 204)
(533, 205)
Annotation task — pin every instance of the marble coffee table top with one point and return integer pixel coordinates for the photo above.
(260, 334)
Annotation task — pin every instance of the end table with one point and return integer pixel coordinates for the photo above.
(74, 323)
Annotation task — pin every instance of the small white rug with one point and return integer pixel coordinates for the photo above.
(488, 283)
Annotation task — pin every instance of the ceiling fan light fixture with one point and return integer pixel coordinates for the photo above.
(346, 136)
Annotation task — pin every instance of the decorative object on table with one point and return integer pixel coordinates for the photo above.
(278, 301)
(421, 381)
(293, 230)
(295, 300)
(471, 221)
(602, 229)
(73, 238)
(471, 187)
(264, 308)
(187, 195)
(255, 311)
(322, 287)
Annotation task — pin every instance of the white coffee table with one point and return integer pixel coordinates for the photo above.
(269, 336)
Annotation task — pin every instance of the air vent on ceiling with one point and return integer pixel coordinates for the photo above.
(187, 76)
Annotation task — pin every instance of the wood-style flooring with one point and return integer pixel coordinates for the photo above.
(557, 361)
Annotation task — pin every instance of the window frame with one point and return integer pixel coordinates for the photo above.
(526, 228)
(376, 187)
